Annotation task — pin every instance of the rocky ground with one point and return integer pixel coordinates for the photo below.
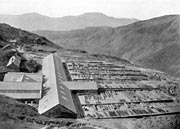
(155, 122)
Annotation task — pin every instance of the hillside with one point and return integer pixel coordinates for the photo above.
(17, 115)
(34, 21)
(153, 43)
(10, 34)
(12, 112)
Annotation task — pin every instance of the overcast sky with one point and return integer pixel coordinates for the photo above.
(141, 9)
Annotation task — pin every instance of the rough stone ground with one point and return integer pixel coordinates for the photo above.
(155, 122)
(15, 124)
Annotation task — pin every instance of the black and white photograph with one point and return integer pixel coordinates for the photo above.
(89, 64)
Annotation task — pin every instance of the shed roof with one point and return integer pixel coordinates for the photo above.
(23, 95)
(23, 77)
(81, 85)
(20, 86)
(21, 90)
(55, 91)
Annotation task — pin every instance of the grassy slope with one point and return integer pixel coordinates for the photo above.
(8, 33)
(153, 43)
(11, 111)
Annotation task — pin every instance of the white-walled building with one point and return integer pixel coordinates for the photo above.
(57, 100)
(14, 62)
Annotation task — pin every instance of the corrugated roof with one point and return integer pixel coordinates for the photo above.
(21, 90)
(20, 86)
(55, 92)
(23, 95)
(23, 77)
(81, 85)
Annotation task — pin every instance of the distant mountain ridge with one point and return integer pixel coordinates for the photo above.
(153, 43)
(35, 21)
